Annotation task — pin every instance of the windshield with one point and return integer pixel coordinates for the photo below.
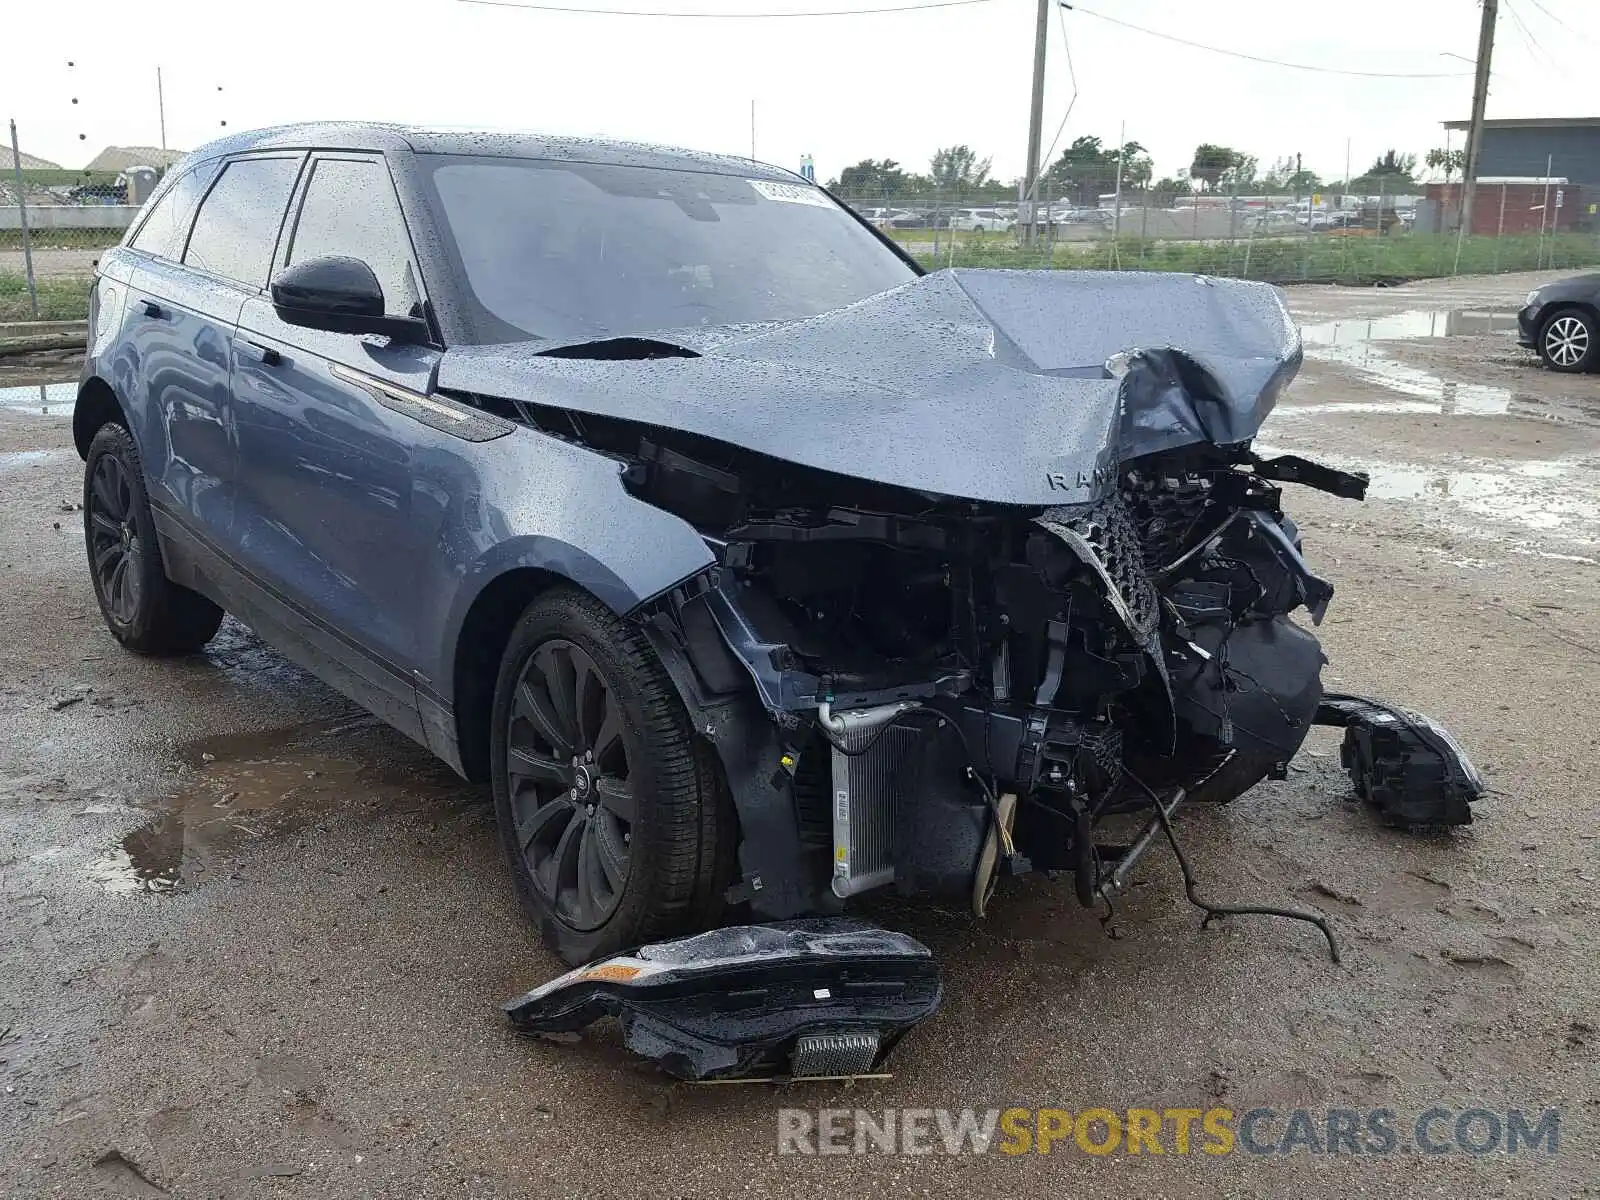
(573, 251)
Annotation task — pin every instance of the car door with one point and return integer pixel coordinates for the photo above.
(336, 515)
(193, 276)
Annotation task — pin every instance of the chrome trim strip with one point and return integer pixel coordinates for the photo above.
(362, 380)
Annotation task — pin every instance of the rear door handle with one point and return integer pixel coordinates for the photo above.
(256, 352)
(152, 309)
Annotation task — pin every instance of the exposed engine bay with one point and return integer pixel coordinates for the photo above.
(924, 679)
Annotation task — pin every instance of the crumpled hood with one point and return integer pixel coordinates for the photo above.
(983, 385)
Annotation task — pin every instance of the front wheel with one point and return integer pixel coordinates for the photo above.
(1569, 342)
(145, 611)
(614, 822)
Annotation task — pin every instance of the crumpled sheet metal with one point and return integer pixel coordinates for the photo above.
(981, 385)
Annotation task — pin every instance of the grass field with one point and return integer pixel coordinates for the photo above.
(1320, 257)
(61, 239)
(59, 299)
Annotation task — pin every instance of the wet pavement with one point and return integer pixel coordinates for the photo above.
(255, 941)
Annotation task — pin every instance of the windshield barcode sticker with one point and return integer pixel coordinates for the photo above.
(791, 193)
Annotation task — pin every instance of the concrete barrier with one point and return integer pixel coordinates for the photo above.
(70, 216)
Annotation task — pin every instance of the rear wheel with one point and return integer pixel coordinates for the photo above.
(145, 611)
(1569, 341)
(614, 822)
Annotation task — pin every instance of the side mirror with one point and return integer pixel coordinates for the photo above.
(340, 295)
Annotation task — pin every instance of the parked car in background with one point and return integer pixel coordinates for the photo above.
(983, 220)
(1561, 321)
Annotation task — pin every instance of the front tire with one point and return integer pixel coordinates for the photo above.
(1569, 341)
(614, 822)
(143, 609)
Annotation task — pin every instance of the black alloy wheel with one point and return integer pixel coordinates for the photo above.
(568, 766)
(144, 610)
(116, 549)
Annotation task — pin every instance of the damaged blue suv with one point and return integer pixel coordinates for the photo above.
(753, 566)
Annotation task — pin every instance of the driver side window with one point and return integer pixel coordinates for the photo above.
(350, 209)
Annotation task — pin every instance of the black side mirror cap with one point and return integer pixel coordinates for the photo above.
(340, 295)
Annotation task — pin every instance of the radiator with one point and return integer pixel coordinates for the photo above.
(866, 795)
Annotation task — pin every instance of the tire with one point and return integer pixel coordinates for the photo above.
(1569, 341)
(143, 609)
(614, 820)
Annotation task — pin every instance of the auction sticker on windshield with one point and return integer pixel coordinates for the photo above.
(791, 193)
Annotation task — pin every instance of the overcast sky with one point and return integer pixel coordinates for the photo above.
(895, 85)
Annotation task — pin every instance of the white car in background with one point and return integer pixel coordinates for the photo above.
(983, 220)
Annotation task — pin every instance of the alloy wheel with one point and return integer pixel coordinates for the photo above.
(116, 549)
(572, 799)
(1566, 341)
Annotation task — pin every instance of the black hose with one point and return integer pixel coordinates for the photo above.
(1213, 911)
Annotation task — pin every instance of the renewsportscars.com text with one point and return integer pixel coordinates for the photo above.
(1183, 1131)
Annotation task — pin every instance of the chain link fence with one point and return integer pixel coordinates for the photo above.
(1412, 232)
(55, 221)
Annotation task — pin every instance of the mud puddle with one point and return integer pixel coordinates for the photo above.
(241, 789)
(1354, 343)
(1559, 497)
(46, 398)
(1416, 323)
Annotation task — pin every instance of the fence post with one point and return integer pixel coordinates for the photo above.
(22, 209)
(1500, 229)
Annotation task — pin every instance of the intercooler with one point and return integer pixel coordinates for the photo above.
(870, 762)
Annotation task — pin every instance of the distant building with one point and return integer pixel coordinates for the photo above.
(1530, 148)
(120, 158)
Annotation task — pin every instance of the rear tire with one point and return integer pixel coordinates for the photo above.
(1569, 341)
(143, 609)
(614, 821)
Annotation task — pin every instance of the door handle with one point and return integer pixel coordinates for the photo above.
(152, 309)
(256, 352)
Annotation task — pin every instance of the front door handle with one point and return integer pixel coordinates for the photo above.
(256, 352)
(152, 309)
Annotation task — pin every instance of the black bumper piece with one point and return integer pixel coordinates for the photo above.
(811, 998)
(1404, 764)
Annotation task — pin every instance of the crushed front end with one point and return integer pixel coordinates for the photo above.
(992, 559)
(919, 693)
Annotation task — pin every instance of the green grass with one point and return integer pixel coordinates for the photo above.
(1320, 257)
(59, 299)
(61, 239)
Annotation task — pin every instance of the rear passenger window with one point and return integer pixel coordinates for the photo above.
(350, 209)
(163, 230)
(239, 219)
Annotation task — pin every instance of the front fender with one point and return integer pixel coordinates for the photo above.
(547, 505)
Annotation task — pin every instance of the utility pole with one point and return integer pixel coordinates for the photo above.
(1030, 188)
(1480, 96)
(161, 108)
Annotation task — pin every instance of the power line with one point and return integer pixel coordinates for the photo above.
(1256, 58)
(1535, 50)
(726, 16)
(1535, 47)
(1560, 22)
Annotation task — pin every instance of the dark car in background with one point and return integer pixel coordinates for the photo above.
(1561, 321)
(750, 564)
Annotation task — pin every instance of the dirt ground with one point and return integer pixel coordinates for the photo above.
(254, 943)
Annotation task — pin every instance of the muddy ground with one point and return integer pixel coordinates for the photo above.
(254, 943)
